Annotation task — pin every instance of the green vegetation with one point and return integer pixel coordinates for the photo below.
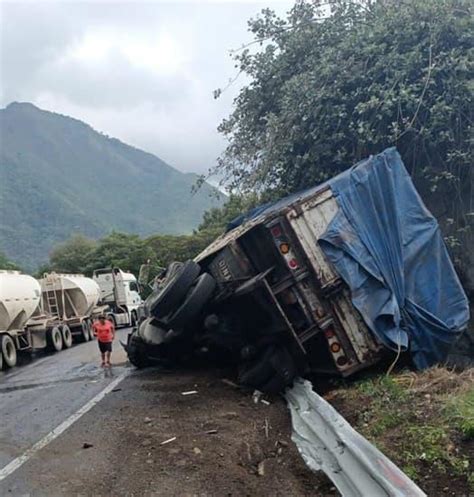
(6, 263)
(424, 421)
(60, 177)
(460, 412)
(332, 84)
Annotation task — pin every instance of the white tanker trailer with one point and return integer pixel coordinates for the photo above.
(44, 314)
(20, 297)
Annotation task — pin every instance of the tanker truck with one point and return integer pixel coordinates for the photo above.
(47, 313)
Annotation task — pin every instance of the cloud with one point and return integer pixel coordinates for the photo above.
(142, 72)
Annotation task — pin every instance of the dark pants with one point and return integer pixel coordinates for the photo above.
(105, 347)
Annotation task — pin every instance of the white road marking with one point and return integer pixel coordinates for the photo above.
(29, 453)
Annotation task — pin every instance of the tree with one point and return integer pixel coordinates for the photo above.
(6, 263)
(215, 220)
(332, 85)
(72, 256)
(122, 250)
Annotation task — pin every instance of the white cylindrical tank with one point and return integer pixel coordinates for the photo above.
(19, 298)
(76, 295)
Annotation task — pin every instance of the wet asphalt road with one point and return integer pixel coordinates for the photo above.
(38, 396)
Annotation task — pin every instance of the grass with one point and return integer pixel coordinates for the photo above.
(460, 412)
(421, 421)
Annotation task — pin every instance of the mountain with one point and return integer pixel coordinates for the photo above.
(58, 176)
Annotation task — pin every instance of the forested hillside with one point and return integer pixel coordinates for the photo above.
(60, 177)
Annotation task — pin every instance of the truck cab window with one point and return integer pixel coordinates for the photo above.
(133, 287)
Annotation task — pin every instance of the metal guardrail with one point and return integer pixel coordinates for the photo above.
(327, 442)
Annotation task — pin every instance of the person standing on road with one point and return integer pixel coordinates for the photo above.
(104, 330)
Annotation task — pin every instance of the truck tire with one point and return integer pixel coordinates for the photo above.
(8, 352)
(258, 371)
(170, 296)
(54, 339)
(198, 296)
(67, 336)
(85, 333)
(136, 352)
(272, 373)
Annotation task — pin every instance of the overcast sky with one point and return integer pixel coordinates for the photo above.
(143, 72)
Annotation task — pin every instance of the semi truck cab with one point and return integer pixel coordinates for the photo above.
(120, 291)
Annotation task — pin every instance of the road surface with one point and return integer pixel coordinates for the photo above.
(36, 397)
(141, 437)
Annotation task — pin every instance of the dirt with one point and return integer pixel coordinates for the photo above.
(147, 439)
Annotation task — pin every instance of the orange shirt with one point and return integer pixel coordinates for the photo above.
(104, 332)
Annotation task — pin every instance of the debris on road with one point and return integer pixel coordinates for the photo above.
(87, 445)
(256, 396)
(230, 383)
(168, 441)
(191, 392)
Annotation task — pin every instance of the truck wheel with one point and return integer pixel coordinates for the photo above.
(8, 352)
(272, 372)
(136, 352)
(258, 371)
(195, 300)
(66, 335)
(175, 289)
(54, 339)
(85, 331)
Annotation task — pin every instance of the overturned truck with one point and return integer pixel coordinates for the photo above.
(327, 280)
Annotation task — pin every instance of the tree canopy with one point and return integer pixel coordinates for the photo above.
(6, 263)
(332, 84)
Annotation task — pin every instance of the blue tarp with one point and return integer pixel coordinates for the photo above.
(388, 248)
